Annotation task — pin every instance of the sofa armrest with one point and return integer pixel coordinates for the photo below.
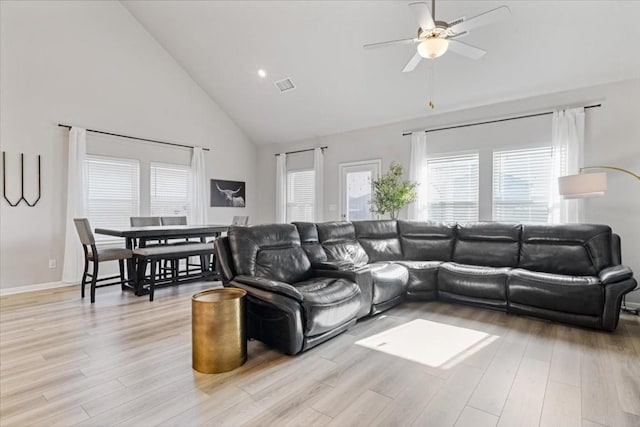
(362, 277)
(617, 273)
(270, 285)
(333, 265)
(273, 318)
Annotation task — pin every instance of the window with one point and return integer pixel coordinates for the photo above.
(521, 185)
(452, 193)
(112, 192)
(300, 195)
(170, 192)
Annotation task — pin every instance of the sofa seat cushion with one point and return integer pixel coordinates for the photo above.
(473, 281)
(423, 276)
(328, 302)
(557, 292)
(389, 281)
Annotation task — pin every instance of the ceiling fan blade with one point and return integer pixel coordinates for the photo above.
(466, 49)
(485, 18)
(423, 15)
(390, 43)
(412, 64)
(458, 36)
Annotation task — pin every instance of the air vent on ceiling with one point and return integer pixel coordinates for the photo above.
(285, 85)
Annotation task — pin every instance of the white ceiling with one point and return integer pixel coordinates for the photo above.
(546, 46)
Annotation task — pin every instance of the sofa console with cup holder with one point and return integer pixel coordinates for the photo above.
(307, 283)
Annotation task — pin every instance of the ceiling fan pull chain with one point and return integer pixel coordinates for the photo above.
(431, 88)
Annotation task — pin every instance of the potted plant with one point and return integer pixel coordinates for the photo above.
(391, 193)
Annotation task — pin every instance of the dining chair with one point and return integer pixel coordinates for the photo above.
(177, 220)
(240, 220)
(173, 220)
(145, 221)
(96, 256)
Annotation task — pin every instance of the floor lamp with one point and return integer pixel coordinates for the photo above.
(591, 185)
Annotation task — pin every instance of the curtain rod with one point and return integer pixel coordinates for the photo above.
(134, 137)
(301, 151)
(546, 113)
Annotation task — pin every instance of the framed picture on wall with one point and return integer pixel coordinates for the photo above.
(229, 194)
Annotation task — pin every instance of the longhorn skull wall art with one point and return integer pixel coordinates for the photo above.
(228, 193)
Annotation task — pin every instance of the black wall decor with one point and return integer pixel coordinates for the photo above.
(4, 182)
(228, 193)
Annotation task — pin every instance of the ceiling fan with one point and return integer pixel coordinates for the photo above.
(436, 37)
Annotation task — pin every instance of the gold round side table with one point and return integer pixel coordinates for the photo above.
(218, 335)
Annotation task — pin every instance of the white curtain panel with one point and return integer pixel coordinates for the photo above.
(281, 188)
(567, 158)
(418, 173)
(199, 187)
(318, 167)
(76, 205)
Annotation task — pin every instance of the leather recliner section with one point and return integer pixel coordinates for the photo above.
(379, 239)
(310, 283)
(427, 241)
(328, 302)
(574, 250)
(488, 243)
(389, 282)
(338, 239)
(486, 286)
(285, 292)
(567, 294)
(422, 281)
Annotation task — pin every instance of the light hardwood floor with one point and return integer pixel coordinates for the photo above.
(126, 361)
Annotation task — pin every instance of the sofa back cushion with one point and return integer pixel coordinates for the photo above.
(379, 239)
(271, 251)
(427, 240)
(572, 249)
(488, 243)
(310, 242)
(338, 239)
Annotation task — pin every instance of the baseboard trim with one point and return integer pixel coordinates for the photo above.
(32, 288)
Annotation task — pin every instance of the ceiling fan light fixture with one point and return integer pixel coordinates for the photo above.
(433, 47)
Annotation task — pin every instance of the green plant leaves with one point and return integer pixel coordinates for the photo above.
(391, 193)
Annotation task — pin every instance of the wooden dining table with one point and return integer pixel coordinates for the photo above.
(138, 236)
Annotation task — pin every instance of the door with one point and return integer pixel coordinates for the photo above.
(356, 180)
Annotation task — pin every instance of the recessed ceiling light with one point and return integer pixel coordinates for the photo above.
(262, 73)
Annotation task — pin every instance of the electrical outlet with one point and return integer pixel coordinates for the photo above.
(52, 263)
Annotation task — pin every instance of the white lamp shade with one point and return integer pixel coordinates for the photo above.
(433, 47)
(582, 185)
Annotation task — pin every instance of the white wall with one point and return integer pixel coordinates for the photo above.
(612, 137)
(91, 64)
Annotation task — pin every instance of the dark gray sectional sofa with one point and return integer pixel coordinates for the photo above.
(309, 282)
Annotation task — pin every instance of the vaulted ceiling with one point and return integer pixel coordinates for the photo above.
(546, 46)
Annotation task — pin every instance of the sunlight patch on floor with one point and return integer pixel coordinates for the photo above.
(430, 343)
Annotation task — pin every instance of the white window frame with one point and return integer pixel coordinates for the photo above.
(292, 204)
(189, 192)
(453, 155)
(103, 239)
(516, 149)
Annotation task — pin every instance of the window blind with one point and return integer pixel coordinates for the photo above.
(300, 195)
(112, 193)
(521, 184)
(170, 192)
(452, 193)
